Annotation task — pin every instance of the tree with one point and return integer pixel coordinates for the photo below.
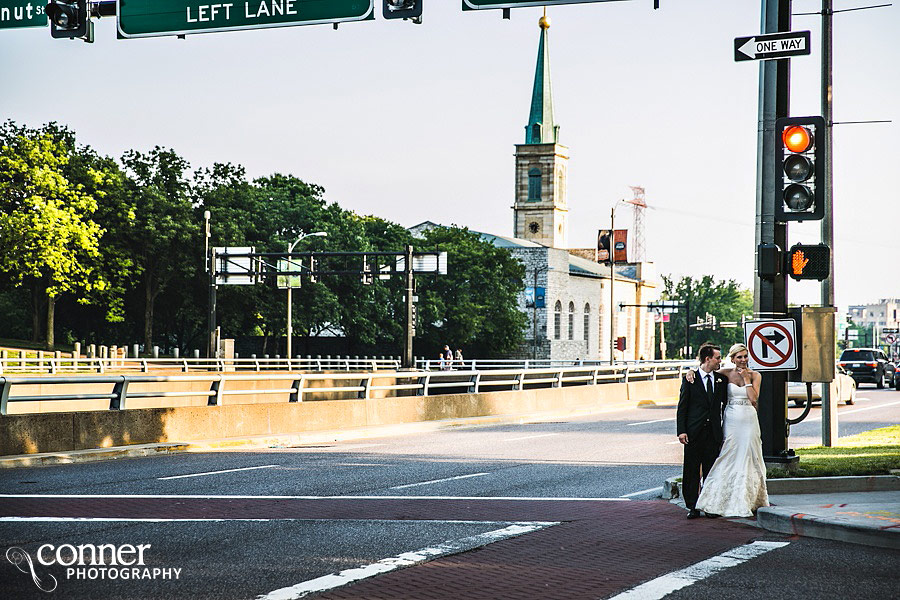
(725, 300)
(166, 234)
(474, 306)
(48, 240)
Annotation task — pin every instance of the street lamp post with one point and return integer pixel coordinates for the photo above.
(290, 249)
(612, 281)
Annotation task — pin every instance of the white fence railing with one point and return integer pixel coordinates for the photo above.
(297, 386)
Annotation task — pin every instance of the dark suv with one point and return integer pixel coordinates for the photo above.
(868, 365)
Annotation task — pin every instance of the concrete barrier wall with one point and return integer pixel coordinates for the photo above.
(64, 431)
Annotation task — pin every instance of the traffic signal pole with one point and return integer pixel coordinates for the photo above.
(770, 293)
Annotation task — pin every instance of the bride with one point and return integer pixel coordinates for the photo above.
(736, 484)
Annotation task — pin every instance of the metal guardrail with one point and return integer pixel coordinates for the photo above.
(498, 363)
(361, 385)
(53, 365)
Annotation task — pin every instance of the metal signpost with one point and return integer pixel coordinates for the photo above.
(22, 13)
(149, 18)
(772, 46)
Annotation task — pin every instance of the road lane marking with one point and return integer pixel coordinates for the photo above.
(841, 413)
(529, 437)
(409, 485)
(666, 584)
(648, 422)
(221, 520)
(406, 559)
(240, 497)
(653, 489)
(216, 472)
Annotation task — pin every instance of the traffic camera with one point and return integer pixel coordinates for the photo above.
(809, 261)
(800, 160)
(68, 19)
(403, 9)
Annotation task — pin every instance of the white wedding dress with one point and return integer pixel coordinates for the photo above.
(736, 485)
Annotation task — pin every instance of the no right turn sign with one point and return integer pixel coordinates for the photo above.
(771, 344)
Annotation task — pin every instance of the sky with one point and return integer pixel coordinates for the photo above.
(419, 122)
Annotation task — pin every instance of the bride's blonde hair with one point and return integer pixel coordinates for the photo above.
(735, 349)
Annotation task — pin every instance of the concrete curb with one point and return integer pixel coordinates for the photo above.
(77, 456)
(785, 520)
(286, 440)
(810, 485)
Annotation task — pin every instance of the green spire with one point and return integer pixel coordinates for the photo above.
(541, 129)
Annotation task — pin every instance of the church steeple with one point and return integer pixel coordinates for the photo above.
(541, 128)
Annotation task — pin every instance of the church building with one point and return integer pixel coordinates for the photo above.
(567, 294)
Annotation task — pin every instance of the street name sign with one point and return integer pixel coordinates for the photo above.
(771, 344)
(484, 4)
(149, 18)
(15, 14)
(771, 46)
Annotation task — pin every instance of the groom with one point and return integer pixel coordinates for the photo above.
(699, 419)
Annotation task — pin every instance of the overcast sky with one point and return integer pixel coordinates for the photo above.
(418, 122)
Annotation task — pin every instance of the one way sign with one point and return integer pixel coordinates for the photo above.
(771, 344)
(771, 46)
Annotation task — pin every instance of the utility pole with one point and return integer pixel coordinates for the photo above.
(612, 286)
(770, 293)
(829, 408)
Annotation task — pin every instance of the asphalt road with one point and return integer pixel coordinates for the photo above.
(184, 506)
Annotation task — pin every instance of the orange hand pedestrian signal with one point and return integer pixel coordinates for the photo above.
(798, 262)
(809, 261)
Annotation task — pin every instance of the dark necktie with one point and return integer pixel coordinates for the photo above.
(709, 387)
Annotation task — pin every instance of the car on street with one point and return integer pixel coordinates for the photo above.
(869, 365)
(843, 388)
(897, 377)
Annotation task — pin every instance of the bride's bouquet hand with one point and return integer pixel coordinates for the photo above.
(746, 375)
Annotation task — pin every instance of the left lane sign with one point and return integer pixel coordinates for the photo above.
(149, 18)
(22, 13)
(771, 46)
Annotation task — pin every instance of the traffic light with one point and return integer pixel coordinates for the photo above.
(809, 261)
(68, 19)
(403, 9)
(313, 263)
(620, 344)
(800, 164)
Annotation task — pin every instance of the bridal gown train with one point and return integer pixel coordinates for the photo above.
(736, 485)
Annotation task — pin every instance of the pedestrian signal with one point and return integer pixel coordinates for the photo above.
(800, 164)
(809, 261)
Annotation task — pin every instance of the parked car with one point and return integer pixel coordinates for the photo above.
(843, 388)
(897, 377)
(869, 365)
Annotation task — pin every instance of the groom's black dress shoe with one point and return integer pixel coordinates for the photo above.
(712, 516)
(693, 514)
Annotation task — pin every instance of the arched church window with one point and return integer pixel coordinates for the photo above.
(557, 320)
(536, 132)
(571, 320)
(534, 185)
(587, 327)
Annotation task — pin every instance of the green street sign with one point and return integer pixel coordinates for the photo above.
(149, 18)
(483, 4)
(22, 13)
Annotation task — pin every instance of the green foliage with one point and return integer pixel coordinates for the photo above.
(474, 306)
(48, 240)
(121, 245)
(725, 300)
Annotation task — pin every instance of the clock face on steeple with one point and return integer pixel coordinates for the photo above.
(533, 227)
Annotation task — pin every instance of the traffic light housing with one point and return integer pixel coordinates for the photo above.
(403, 9)
(809, 261)
(800, 167)
(68, 19)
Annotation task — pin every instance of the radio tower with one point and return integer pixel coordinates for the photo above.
(639, 208)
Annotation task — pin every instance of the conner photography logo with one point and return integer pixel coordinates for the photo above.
(87, 562)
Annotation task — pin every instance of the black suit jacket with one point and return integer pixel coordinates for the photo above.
(695, 407)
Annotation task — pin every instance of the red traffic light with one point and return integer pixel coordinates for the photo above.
(797, 138)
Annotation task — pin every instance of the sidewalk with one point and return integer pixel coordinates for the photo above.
(858, 510)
